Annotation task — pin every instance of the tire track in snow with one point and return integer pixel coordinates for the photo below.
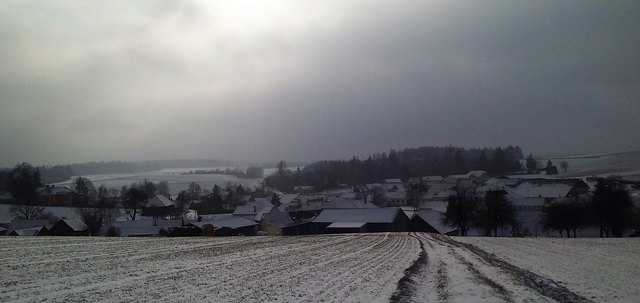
(542, 285)
(458, 279)
(406, 288)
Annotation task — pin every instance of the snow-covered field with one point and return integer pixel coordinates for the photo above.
(603, 270)
(249, 269)
(177, 181)
(397, 267)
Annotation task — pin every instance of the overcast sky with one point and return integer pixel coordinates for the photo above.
(309, 80)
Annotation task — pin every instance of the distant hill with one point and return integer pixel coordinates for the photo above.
(623, 163)
(139, 166)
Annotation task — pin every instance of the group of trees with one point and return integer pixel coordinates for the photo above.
(221, 199)
(466, 209)
(535, 167)
(59, 173)
(138, 166)
(610, 209)
(410, 162)
(252, 172)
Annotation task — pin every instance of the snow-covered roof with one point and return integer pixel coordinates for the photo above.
(26, 231)
(26, 224)
(252, 208)
(373, 186)
(390, 181)
(277, 218)
(368, 215)
(439, 194)
(232, 222)
(346, 225)
(408, 211)
(434, 218)
(476, 173)
(541, 190)
(141, 227)
(435, 205)
(347, 203)
(433, 178)
(54, 190)
(288, 198)
(74, 224)
(159, 201)
(311, 205)
(215, 216)
(528, 201)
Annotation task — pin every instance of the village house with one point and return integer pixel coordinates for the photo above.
(55, 195)
(254, 210)
(273, 221)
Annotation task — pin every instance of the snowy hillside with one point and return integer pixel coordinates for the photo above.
(622, 164)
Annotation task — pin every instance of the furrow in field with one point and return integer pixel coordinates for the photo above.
(261, 274)
(67, 273)
(384, 271)
(140, 283)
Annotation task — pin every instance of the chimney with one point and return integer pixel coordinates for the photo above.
(254, 209)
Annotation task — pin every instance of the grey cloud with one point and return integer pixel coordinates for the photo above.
(351, 78)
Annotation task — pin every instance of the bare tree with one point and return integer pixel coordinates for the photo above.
(24, 180)
(461, 209)
(26, 211)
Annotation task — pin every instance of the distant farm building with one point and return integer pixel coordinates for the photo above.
(360, 220)
(69, 227)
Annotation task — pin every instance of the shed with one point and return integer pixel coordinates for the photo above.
(20, 224)
(229, 225)
(69, 227)
(24, 232)
(430, 221)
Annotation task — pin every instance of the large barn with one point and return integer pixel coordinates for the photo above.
(360, 220)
